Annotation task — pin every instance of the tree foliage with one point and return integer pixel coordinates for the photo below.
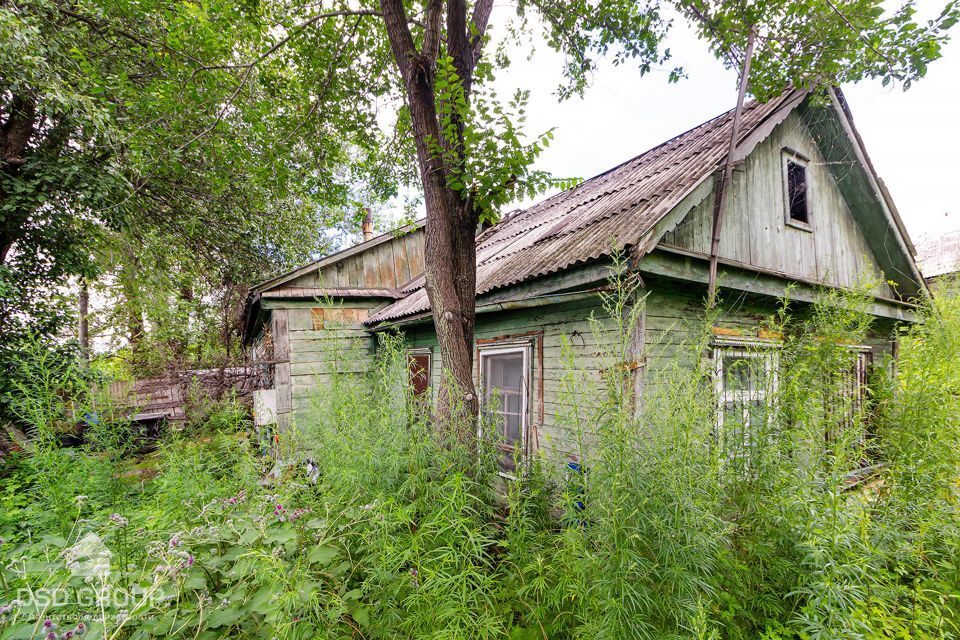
(814, 43)
(217, 137)
(133, 138)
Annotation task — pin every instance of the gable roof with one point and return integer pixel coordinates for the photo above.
(614, 209)
(334, 257)
(621, 207)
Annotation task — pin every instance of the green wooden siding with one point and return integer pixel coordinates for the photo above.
(673, 323)
(550, 324)
(315, 355)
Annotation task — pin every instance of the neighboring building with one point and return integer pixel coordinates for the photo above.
(805, 210)
(938, 256)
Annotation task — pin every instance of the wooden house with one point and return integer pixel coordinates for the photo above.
(938, 256)
(806, 210)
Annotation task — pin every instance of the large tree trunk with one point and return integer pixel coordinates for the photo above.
(450, 255)
(15, 135)
(450, 265)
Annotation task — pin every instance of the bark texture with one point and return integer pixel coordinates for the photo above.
(16, 133)
(450, 252)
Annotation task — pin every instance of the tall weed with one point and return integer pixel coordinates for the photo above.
(837, 518)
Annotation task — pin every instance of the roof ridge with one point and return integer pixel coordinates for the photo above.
(613, 208)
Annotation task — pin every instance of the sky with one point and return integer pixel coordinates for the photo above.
(911, 137)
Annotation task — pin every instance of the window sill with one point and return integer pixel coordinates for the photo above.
(802, 226)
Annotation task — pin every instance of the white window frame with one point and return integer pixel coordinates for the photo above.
(769, 351)
(864, 358)
(787, 156)
(505, 348)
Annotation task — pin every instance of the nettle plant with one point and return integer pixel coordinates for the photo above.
(837, 518)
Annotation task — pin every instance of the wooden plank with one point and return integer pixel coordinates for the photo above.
(280, 333)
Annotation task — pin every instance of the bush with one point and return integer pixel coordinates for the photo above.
(395, 530)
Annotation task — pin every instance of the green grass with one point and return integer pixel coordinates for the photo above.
(406, 534)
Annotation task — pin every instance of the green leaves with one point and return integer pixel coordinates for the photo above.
(822, 42)
(322, 555)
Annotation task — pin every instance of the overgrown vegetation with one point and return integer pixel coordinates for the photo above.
(836, 518)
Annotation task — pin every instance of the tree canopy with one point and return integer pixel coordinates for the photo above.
(220, 138)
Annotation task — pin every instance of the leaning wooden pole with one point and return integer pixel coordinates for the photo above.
(720, 203)
(83, 330)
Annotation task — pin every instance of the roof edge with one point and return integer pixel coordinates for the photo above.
(337, 256)
(839, 102)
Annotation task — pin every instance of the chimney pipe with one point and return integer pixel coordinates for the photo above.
(367, 226)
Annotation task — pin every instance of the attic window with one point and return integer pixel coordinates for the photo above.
(797, 187)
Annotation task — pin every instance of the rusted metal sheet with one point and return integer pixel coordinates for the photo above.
(611, 211)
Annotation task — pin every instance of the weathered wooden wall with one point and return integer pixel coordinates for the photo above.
(672, 325)
(755, 231)
(337, 342)
(313, 338)
(675, 321)
(387, 265)
(169, 394)
(550, 327)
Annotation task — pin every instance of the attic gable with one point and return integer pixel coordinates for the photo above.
(822, 244)
(844, 153)
(386, 261)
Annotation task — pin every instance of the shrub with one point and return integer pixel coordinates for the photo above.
(842, 521)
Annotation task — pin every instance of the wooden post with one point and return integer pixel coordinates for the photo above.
(83, 331)
(720, 203)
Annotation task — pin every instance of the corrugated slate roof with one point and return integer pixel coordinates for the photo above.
(614, 209)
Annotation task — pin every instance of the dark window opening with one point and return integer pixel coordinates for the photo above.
(797, 192)
(418, 370)
(419, 367)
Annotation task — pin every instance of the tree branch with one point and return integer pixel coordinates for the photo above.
(458, 43)
(18, 129)
(398, 32)
(863, 39)
(101, 28)
(432, 28)
(480, 20)
(331, 70)
(248, 67)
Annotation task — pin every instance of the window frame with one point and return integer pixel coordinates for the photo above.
(769, 351)
(507, 347)
(423, 351)
(862, 366)
(787, 156)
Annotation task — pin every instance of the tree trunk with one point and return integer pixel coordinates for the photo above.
(450, 267)
(15, 134)
(134, 308)
(181, 348)
(450, 253)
